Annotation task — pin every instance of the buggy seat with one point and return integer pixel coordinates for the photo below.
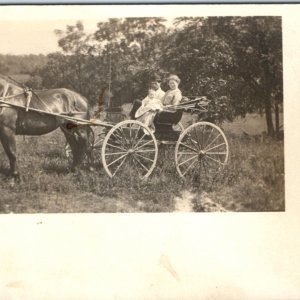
(163, 121)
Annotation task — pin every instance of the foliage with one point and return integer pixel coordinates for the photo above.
(236, 62)
(21, 64)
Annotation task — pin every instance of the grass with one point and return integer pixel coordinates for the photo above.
(252, 181)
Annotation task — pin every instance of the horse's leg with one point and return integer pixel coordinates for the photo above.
(8, 140)
(78, 143)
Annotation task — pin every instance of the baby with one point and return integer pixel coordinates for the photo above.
(150, 106)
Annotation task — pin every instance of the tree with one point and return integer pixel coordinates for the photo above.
(132, 46)
(204, 61)
(236, 61)
(257, 46)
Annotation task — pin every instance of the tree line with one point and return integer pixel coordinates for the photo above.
(236, 62)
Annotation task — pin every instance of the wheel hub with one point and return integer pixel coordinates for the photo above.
(130, 151)
(201, 154)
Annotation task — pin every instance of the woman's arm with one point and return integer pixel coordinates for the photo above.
(177, 98)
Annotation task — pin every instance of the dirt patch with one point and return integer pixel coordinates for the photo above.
(189, 202)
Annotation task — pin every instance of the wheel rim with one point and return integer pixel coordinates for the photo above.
(129, 147)
(201, 151)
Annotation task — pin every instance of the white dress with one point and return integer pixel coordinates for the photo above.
(148, 110)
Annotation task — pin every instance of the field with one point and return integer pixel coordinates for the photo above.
(252, 181)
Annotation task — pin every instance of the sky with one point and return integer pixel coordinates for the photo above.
(30, 29)
(34, 37)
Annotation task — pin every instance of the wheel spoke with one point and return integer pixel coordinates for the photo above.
(196, 143)
(141, 164)
(212, 141)
(186, 153)
(202, 136)
(141, 146)
(115, 153)
(216, 153)
(123, 137)
(141, 151)
(113, 146)
(118, 137)
(140, 139)
(119, 166)
(136, 167)
(215, 147)
(217, 161)
(212, 129)
(144, 157)
(189, 167)
(117, 159)
(193, 157)
(188, 147)
(98, 142)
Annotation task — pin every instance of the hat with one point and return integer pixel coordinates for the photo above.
(174, 77)
(155, 78)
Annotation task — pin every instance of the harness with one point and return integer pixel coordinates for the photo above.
(28, 94)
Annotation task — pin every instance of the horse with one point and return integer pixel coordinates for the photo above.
(22, 121)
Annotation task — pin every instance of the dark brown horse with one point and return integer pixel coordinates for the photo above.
(17, 121)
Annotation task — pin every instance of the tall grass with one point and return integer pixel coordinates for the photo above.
(253, 180)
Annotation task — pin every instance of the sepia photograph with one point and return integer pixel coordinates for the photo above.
(142, 114)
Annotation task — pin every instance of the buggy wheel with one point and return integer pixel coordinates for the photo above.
(201, 151)
(129, 146)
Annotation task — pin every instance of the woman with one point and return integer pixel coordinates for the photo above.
(173, 96)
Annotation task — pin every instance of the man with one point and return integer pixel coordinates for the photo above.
(155, 85)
